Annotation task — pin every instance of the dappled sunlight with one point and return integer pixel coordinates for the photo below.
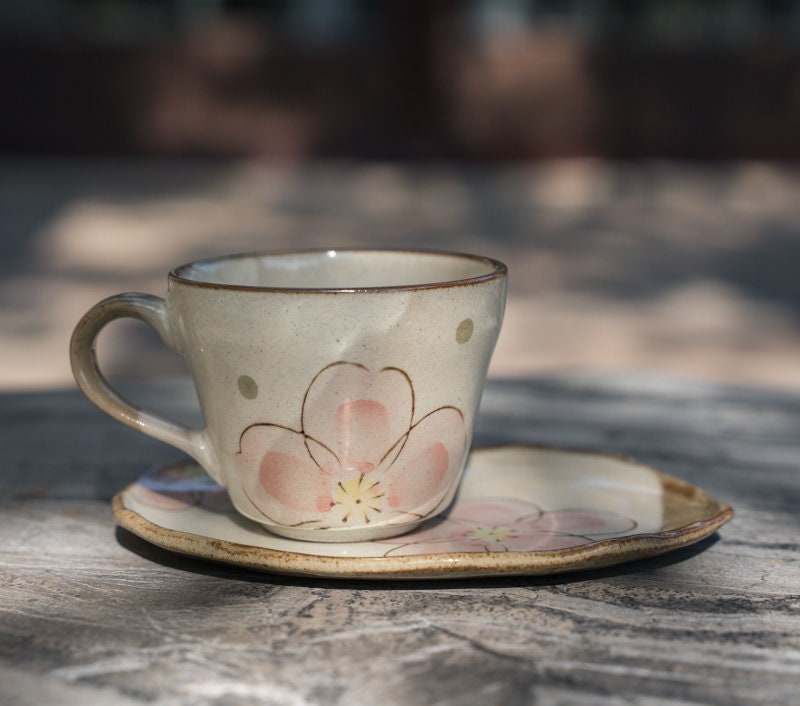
(655, 266)
(702, 330)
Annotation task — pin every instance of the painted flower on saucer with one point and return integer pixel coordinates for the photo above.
(509, 525)
(361, 455)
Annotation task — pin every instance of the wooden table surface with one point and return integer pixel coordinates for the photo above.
(90, 614)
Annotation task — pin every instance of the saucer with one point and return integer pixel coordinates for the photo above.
(520, 510)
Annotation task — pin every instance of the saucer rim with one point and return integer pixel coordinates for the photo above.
(599, 554)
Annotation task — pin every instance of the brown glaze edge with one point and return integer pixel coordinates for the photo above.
(500, 270)
(456, 564)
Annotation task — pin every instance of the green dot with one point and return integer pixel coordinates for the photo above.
(464, 331)
(247, 387)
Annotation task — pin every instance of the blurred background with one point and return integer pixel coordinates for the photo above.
(634, 162)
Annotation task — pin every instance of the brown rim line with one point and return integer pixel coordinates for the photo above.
(499, 270)
(442, 566)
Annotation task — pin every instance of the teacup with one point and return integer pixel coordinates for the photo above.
(339, 388)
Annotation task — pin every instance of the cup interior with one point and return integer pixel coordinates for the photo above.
(340, 270)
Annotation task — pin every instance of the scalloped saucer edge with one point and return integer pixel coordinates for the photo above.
(520, 510)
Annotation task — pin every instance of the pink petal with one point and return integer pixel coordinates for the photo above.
(295, 482)
(429, 461)
(543, 542)
(585, 522)
(427, 542)
(363, 429)
(495, 511)
(358, 413)
(280, 477)
(411, 489)
(437, 530)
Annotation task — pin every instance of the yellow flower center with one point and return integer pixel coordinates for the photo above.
(358, 500)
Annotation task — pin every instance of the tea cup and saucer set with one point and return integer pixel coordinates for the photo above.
(339, 391)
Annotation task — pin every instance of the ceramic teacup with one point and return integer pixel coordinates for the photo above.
(339, 388)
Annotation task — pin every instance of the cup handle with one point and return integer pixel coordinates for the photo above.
(83, 356)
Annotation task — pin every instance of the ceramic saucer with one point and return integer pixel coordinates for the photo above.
(520, 510)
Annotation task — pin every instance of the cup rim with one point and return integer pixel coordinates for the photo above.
(498, 271)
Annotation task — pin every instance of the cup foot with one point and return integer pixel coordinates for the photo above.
(345, 534)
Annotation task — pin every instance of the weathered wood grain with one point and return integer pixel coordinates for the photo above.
(92, 614)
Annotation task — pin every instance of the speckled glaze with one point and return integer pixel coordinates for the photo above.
(519, 510)
(339, 388)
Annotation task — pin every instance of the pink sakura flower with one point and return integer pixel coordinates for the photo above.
(360, 455)
(508, 525)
